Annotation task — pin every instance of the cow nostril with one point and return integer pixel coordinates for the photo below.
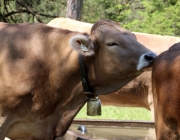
(150, 57)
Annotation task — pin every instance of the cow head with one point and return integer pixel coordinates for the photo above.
(116, 54)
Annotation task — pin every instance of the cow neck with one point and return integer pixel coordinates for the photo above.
(84, 78)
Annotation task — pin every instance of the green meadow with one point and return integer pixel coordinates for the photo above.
(118, 113)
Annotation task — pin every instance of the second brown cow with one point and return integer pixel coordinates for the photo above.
(166, 93)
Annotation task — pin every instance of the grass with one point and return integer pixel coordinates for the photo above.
(118, 113)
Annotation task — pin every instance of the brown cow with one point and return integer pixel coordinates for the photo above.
(40, 82)
(138, 92)
(166, 93)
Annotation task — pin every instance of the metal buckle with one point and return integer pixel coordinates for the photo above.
(90, 95)
(87, 93)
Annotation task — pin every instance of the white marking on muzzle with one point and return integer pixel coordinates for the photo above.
(142, 62)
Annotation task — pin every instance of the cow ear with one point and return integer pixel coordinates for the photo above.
(82, 44)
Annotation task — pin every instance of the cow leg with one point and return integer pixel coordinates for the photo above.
(164, 133)
(150, 101)
(2, 128)
(165, 125)
(151, 104)
(166, 129)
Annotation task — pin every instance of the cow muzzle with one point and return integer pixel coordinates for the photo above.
(146, 61)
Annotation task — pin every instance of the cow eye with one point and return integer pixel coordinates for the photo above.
(111, 44)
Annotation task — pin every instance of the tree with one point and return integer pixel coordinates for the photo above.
(15, 11)
(74, 9)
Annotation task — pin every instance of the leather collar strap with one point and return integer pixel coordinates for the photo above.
(84, 79)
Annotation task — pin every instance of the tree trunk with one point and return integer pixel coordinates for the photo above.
(74, 9)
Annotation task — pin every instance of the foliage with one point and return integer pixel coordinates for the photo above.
(158, 18)
(155, 16)
(107, 9)
(15, 11)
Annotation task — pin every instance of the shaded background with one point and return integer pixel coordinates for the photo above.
(155, 16)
